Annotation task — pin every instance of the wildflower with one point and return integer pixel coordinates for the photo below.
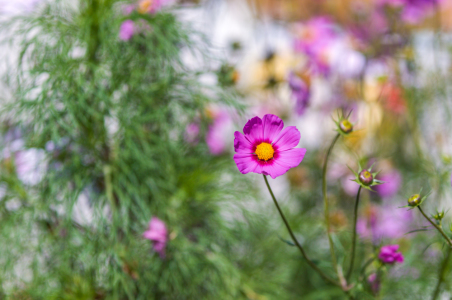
(414, 200)
(389, 255)
(265, 148)
(365, 178)
(300, 91)
(127, 30)
(157, 233)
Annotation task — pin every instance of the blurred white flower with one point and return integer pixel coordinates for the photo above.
(30, 165)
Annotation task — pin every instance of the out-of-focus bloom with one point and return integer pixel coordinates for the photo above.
(412, 11)
(386, 222)
(346, 61)
(265, 148)
(192, 133)
(128, 9)
(158, 234)
(394, 99)
(389, 255)
(313, 38)
(149, 6)
(18, 6)
(216, 133)
(30, 165)
(300, 92)
(127, 30)
(391, 185)
(374, 283)
(349, 186)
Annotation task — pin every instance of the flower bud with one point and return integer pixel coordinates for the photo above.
(439, 216)
(365, 177)
(345, 126)
(414, 200)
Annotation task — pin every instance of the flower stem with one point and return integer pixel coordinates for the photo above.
(326, 205)
(311, 264)
(449, 241)
(352, 257)
(442, 274)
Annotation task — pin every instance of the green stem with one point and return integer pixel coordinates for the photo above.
(311, 264)
(442, 274)
(449, 241)
(109, 186)
(326, 205)
(352, 258)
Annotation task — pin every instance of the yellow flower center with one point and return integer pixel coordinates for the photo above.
(144, 6)
(366, 174)
(265, 151)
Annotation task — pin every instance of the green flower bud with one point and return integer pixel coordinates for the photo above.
(439, 216)
(414, 200)
(345, 126)
(365, 177)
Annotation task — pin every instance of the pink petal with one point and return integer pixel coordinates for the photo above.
(241, 143)
(247, 162)
(253, 130)
(287, 139)
(282, 162)
(272, 126)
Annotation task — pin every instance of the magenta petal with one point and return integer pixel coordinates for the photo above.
(247, 162)
(253, 130)
(287, 139)
(290, 158)
(241, 143)
(272, 126)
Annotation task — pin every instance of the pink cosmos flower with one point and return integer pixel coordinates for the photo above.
(127, 30)
(389, 255)
(265, 148)
(157, 233)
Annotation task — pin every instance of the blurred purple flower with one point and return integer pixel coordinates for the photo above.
(127, 30)
(191, 135)
(216, 132)
(300, 92)
(389, 255)
(391, 186)
(157, 233)
(386, 222)
(127, 9)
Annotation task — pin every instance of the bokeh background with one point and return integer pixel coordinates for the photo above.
(117, 113)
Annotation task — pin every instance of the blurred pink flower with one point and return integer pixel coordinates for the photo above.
(389, 255)
(215, 138)
(300, 92)
(386, 222)
(157, 233)
(350, 187)
(412, 11)
(191, 135)
(313, 39)
(127, 30)
(391, 186)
